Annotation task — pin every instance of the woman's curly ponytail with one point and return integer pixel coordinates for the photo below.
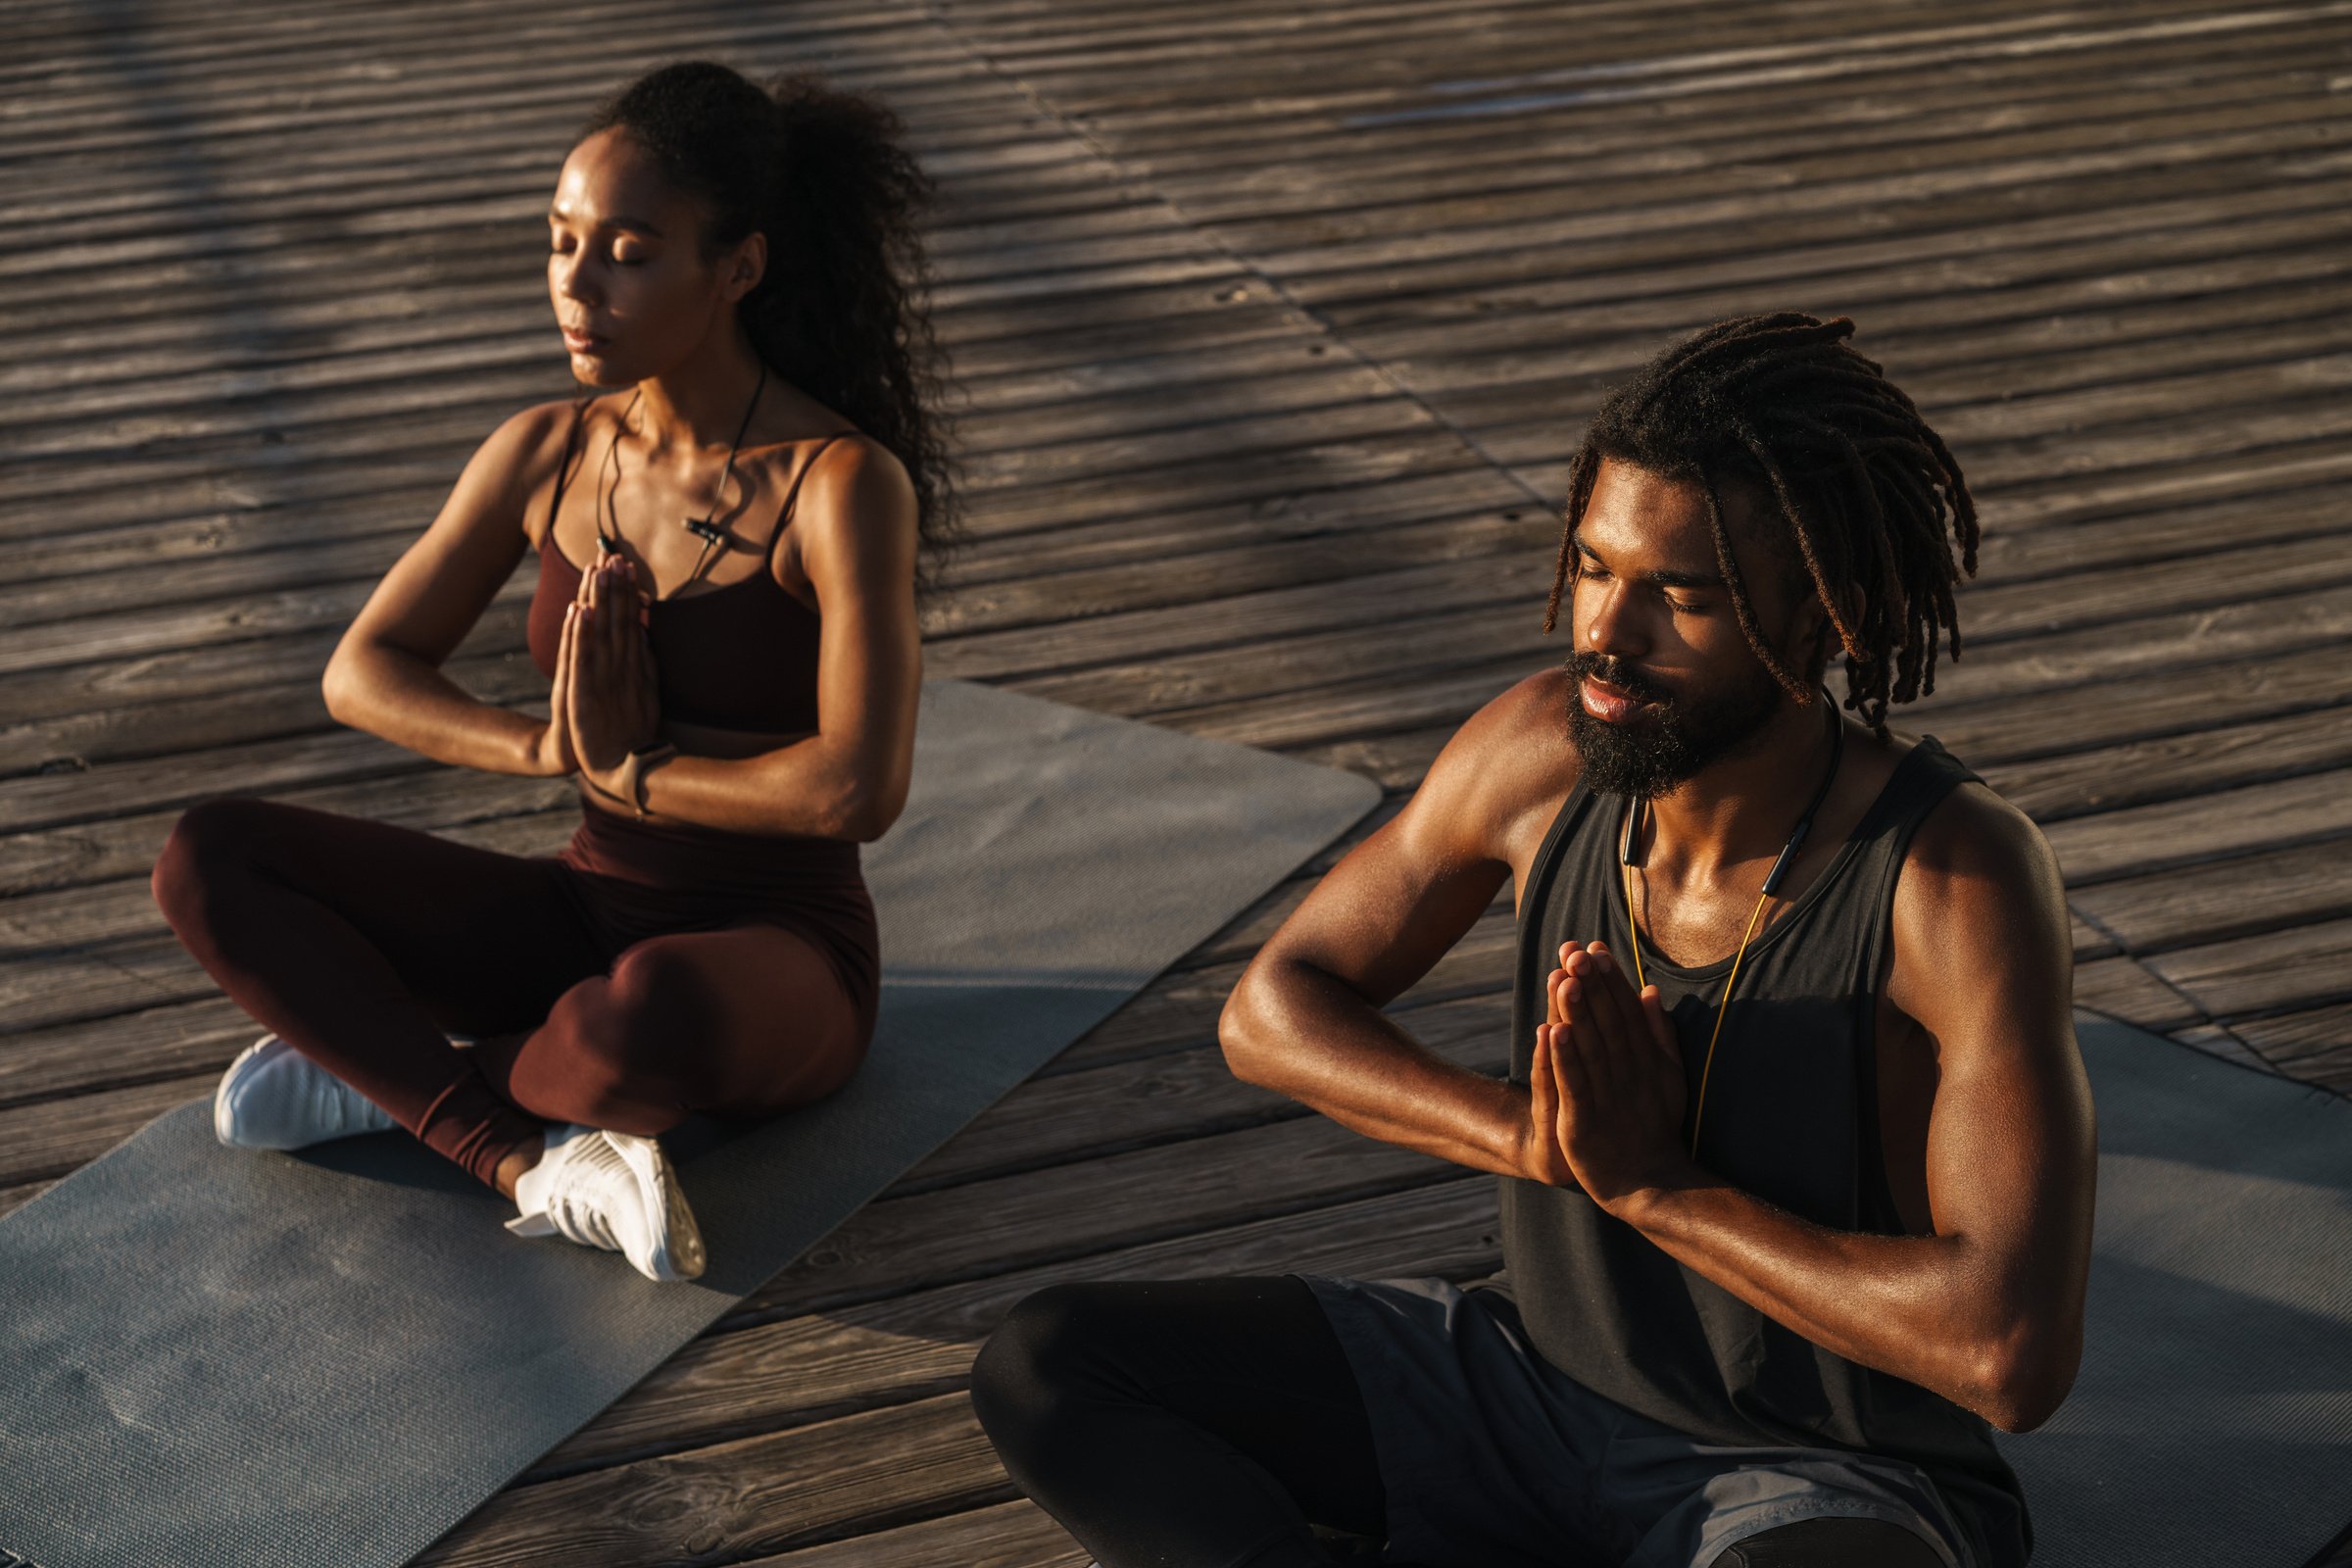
(843, 309)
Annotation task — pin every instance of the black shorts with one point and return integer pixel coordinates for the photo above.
(1492, 1456)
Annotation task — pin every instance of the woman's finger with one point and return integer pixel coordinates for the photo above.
(560, 704)
(617, 610)
(558, 731)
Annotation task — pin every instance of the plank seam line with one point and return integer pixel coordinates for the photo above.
(1248, 264)
(2124, 950)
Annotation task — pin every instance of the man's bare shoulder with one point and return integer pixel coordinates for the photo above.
(1505, 771)
(1983, 946)
(1975, 843)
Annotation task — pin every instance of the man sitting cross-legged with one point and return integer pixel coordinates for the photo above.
(1796, 1149)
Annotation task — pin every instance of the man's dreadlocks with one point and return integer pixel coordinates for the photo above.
(1862, 487)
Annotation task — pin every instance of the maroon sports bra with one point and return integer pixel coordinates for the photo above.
(739, 657)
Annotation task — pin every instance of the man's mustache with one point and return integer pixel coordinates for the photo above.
(1615, 672)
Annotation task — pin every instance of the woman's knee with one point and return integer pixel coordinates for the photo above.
(653, 1017)
(213, 843)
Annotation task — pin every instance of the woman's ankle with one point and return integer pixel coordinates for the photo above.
(522, 1158)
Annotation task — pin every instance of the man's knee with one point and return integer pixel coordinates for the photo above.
(1038, 1357)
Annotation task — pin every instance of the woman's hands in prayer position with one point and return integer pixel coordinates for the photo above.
(1606, 1091)
(602, 704)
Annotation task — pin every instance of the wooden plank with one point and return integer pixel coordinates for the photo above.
(53, 1138)
(2313, 1044)
(2140, 839)
(458, 804)
(920, 1344)
(2290, 970)
(2224, 899)
(989, 1227)
(1007, 1535)
(854, 1472)
(2124, 988)
(758, 1495)
(2140, 772)
(2216, 1040)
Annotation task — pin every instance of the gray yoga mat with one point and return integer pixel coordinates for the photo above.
(213, 1357)
(2211, 1422)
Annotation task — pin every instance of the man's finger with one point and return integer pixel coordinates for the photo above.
(1608, 996)
(1542, 1089)
(1661, 1028)
(1576, 1087)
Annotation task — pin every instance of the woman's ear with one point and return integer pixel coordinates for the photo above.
(746, 267)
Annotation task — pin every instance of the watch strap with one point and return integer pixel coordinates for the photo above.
(635, 766)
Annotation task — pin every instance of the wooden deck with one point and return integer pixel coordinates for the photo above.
(1278, 326)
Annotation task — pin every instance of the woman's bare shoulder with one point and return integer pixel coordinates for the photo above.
(526, 450)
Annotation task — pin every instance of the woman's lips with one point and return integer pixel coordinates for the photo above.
(581, 342)
(1606, 703)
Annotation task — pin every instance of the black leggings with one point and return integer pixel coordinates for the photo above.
(1211, 1423)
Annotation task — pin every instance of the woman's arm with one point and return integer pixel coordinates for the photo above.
(385, 675)
(855, 532)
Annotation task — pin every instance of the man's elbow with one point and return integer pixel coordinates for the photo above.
(2026, 1377)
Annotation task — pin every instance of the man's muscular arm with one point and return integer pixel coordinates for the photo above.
(1988, 1310)
(1305, 1019)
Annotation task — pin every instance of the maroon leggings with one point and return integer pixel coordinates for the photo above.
(641, 976)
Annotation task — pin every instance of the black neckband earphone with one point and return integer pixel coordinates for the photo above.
(1796, 835)
(1635, 810)
(703, 527)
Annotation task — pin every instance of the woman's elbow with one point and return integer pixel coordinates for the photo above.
(864, 812)
(1240, 1033)
(340, 686)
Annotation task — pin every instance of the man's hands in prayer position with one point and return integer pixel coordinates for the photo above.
(602, 704)
(1606, 1091)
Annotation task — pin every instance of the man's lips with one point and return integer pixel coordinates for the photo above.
(1607, 703)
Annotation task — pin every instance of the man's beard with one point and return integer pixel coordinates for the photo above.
(1674, 740)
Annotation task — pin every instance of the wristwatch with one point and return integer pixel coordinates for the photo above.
(634, 767)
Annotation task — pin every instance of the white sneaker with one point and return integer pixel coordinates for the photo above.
(273, 1096)
(611, 1189)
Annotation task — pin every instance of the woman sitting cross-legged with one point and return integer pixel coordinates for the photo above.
(734, 669)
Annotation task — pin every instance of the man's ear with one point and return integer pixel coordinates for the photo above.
(1815, 636)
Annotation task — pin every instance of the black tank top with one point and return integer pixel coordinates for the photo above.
(1792, 1117)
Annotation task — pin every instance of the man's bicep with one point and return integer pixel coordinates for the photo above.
(1399, 900)
(1984, 966)
(1387, 912)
